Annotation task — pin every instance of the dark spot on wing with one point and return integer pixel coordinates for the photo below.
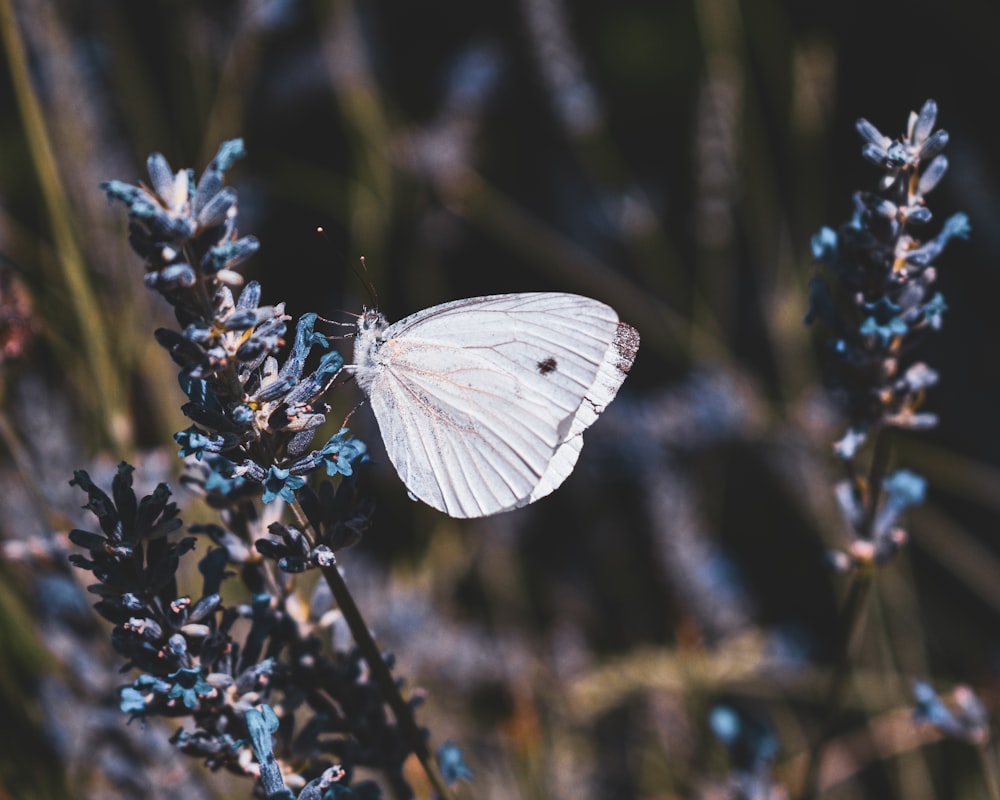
(547, 366)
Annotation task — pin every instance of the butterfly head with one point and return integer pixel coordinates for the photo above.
(370, 323)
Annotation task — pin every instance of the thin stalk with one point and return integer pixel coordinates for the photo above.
(380, 671)
(852, 615)
(988, 762)
(93, 336)
(853, 618)
(876, 475)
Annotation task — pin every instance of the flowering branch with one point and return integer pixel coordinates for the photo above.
(254, 421)
(873, 295)
(874, 298)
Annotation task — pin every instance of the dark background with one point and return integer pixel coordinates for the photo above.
(672, 159)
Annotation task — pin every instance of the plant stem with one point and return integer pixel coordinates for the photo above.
(383, 678)
(852, 616)
(876, 474)
(987, 759)
(852, 622)
(379, 670)
(93, 336)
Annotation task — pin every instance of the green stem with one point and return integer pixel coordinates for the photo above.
(383, 678)
(853, 618)
(987, 760)
(853, 615)
(876, 474)
(93, 337)
(380, 671)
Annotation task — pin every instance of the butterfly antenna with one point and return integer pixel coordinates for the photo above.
(367, 283)
(340, 324)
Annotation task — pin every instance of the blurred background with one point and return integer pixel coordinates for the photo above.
(670, 158)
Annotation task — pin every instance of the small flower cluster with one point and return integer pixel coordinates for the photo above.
(193, 666)
(241, 672)
(876, 302)
(185, 232)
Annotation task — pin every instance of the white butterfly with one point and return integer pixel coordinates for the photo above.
(483, 402)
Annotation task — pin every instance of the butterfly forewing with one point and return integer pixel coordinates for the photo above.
(562, 338)
(449, 431)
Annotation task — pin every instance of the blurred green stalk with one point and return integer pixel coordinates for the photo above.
(93, 336)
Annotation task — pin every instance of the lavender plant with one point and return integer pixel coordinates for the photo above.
(874, 297)
(250, 451)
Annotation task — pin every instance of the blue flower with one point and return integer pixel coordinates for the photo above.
(847, 446)
(825, 246)
(956, 226)
(894, 327)
(934, 310)
(281, 483)
(227, 255)
(193, 442)
(221, 478)
(904, 489)
(339, 453)
(142, 695)
(452, 763)
(132, 701)
(189, 687)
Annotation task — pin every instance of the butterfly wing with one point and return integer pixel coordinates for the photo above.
(482, 403)
(614, 367)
